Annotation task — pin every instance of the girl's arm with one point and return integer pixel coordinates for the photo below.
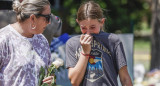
(76, 73)
(124, 77)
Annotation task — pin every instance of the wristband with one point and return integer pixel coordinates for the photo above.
(85, 54)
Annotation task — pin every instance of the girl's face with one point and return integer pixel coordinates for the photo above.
(90, 26)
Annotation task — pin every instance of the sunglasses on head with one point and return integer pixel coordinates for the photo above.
(48, 17)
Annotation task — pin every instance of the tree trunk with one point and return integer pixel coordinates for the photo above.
(155, 38)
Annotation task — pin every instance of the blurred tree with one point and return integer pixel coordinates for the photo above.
(121, 15)
(5, 4)
(155, 38)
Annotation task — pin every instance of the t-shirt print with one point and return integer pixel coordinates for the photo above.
(94, 67)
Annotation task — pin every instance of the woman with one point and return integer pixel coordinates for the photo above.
(95, 58)
(23, 49)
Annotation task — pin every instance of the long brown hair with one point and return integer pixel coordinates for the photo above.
(90, 10)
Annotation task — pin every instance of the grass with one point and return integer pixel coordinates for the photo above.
(142, 52)
(142, 45)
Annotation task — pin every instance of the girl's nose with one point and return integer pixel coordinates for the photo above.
(88, 32)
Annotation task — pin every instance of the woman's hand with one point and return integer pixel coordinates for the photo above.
(48, 79)
(85, 41)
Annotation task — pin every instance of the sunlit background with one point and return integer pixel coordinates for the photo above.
(122, 16)
(137, 17)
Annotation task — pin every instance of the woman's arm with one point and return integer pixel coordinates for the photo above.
(124, 77)
(76, 73)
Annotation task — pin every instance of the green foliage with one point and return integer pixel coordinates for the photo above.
(142, 45)
(41, 76)
(50, 71)
(121, 15)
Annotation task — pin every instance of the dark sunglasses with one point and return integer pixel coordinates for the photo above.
(48, 17)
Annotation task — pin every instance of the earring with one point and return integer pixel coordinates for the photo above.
(33, 27)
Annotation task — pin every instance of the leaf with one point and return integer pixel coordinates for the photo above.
(49, 70)
(44, 84)
(52, 70)
(41, 76)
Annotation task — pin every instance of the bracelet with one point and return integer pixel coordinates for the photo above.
(85, 54)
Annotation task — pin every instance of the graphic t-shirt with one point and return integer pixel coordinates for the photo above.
(21, 57)
(106, 58)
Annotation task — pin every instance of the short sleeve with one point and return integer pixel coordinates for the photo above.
(1, 56)
(120, 56)
(47, 49)
(71, 59)
(49, 56)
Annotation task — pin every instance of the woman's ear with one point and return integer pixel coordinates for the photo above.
(33, 21)
(32, 18)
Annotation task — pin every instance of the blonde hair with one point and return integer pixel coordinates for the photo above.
(27, 7)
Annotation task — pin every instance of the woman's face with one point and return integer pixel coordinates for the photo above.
(90, 26)
(42, 21)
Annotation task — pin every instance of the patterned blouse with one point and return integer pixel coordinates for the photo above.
(21, 57)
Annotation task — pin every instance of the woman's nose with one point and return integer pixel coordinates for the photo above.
(49, 22)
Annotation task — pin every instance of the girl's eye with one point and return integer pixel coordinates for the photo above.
(92, 27)
(83, 28)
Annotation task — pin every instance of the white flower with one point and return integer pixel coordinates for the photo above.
(58, 62)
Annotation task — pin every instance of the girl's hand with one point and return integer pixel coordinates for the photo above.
(85, 41)
(48, 79)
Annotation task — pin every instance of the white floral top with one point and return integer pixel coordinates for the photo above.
(21, 57)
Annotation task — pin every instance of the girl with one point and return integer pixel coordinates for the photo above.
(95, 58)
